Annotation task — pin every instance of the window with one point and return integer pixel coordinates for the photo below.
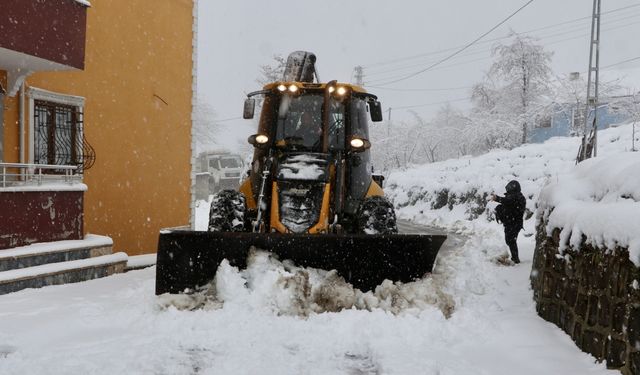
(230, 163)
(57, 128)
(300, 122)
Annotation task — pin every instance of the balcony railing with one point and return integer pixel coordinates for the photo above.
(18, 174)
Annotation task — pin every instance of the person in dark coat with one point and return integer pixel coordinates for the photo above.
(511, 214)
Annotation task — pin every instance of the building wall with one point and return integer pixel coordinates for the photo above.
(52, 24)
(9, 126)
(3, 83)
(561, 123)
(138, 88)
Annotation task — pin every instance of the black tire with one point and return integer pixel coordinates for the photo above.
(377, 216)
(227, 212)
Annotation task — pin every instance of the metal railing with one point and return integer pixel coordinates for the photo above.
(18, 174)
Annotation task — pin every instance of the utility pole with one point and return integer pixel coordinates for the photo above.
(358, 73)
(590, 134)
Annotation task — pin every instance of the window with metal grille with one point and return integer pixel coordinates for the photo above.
(59, 136)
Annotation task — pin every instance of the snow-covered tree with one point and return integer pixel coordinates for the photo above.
(450, 130)
(629, 106)
(205, 127)
(517, 83)
(272, 72)
(572, 90)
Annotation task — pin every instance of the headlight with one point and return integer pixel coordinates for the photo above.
(282, 88)
(357, 143)
(293, 88)
(341, 90)
(262, 139)
(331, 89)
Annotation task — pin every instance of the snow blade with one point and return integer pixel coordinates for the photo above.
(188, 259)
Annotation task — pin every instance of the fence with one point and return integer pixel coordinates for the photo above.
(18, 174)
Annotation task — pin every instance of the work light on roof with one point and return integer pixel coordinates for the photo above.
(282, 88)
(357, 143)
(262, 139)
(293, 88)
(341, 90)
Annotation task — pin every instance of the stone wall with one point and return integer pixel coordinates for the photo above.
(593, 295)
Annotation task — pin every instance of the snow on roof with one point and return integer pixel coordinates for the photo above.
(599, 199)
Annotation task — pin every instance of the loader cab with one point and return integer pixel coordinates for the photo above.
(313, 117)
(299, 125)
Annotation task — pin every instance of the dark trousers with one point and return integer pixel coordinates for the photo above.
(510, 237)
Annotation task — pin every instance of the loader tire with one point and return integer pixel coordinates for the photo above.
(377, 216)
(227, 212)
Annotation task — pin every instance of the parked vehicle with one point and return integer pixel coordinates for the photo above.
(216, 171)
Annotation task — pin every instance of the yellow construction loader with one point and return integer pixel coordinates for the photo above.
(310, 196)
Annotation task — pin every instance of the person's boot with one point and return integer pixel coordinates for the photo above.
(514, 257)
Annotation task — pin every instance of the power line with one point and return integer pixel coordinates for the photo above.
(463, 48)
(383, 80)
(469, 98)
(389, 62)
(573, 29)
(621, 62)
(433, 89)
(433, 103)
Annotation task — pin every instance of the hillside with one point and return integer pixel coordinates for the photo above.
(453, 193)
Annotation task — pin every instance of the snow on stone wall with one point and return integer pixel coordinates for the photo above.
(600, 200)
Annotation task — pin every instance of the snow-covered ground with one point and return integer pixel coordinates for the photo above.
(473, 315)
(117, 326)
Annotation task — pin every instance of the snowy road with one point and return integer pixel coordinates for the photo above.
(117, 326)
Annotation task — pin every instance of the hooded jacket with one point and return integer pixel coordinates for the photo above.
(514, 204)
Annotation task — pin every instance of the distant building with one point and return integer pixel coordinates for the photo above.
(567, 118)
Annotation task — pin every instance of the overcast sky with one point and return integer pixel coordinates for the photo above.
(236, 37)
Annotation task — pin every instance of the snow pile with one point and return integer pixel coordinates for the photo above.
(284, 289)
(454, 193)
(599, 199)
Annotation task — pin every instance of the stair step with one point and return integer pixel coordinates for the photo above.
(53, 252)
(138, 262)
(62, 272)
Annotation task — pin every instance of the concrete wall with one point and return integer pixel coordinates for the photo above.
(593, 295)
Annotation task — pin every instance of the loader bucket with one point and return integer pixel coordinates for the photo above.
(188, 259)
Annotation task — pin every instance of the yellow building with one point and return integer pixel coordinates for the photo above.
(113, 97)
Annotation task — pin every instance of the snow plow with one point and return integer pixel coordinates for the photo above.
(309, 197)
